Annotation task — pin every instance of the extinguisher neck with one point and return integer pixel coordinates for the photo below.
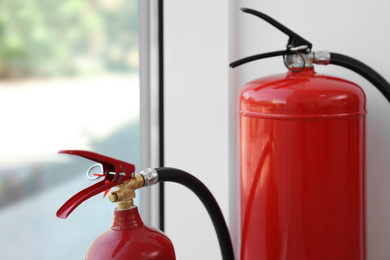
(126, 192)
(298, 62)
(305, 72)
(126, 219)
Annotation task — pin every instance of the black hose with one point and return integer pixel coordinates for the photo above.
(362, 69)
(178, 176)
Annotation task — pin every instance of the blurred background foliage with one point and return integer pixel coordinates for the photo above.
(58, 38)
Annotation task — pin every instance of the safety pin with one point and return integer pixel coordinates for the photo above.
(94, 176)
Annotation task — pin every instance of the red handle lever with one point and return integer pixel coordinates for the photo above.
(123, 172)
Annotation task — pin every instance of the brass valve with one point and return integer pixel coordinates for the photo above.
(126, 192)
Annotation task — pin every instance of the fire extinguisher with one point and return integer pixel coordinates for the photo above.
(302, 157)
(128, 237)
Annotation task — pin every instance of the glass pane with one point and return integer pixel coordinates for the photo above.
(68, 80)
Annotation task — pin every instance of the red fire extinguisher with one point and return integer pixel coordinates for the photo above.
(302, 157)
(128, 237)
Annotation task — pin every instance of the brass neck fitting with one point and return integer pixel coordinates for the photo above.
(125, 194)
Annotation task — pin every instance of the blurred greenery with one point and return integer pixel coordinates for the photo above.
(57, 37)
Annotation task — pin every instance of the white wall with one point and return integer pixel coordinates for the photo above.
(196, 105)
(356, 28)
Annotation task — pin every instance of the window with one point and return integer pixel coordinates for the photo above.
(68, 80)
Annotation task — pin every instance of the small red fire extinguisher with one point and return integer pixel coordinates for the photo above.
(302, 157)
(128, 237)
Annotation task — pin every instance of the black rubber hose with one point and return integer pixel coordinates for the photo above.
(166, 174)
(362, 69)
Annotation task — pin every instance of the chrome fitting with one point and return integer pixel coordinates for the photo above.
(297, 62)
(150, 176)
(321, 57)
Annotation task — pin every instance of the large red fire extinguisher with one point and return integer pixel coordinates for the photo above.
(302, 158)
(128, 237)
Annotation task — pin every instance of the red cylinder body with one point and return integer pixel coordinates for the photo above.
(129, 238)
(302, 168)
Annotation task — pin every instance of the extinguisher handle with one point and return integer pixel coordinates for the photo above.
(82, 196)
(122, 171)
(259, 56)
(108, 163)
(295, 45)
(294, 41)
